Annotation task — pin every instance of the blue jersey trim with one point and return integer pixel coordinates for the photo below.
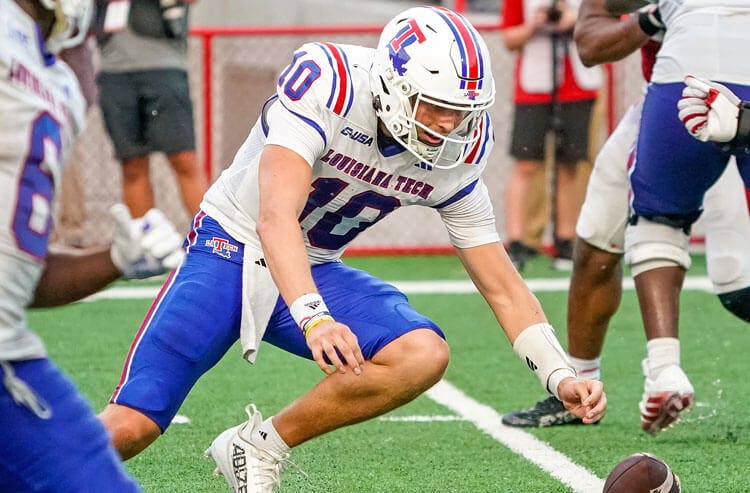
(264, 110)
(458, 195)
(309, 122)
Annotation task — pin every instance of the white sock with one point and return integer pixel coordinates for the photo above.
(662, 352)
(587, 368)
(266, 437)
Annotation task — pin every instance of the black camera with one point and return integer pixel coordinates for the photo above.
(553, 13)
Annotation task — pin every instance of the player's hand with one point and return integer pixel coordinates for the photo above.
(584, 398)
(334, 340)
(709, 110)
(145, 246)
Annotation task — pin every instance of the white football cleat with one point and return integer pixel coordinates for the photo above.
(664, 398)
(247, 468)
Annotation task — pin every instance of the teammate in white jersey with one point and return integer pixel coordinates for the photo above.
(596, 282)
(670, 174)
(52, 440)
(351, 134)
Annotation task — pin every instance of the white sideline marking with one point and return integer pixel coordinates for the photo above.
(697, 283)
(534, 450)
(420, 419)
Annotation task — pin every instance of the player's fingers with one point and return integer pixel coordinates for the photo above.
(697, 83)
(347, 351)
(352, 340)
(597, 412)
(317, 353)
(333, 356)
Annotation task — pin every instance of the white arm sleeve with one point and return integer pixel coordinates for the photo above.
(471, 221)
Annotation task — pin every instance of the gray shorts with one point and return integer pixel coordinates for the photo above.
(532, 121)
(147, 111)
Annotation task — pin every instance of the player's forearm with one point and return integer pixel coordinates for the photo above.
(286, 257)
(511, 301)
(68, 278)
(601, 37)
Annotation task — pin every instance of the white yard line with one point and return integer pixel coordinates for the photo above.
(700, 283)
(525, 444)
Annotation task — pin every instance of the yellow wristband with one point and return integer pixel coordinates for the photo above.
(315, 322)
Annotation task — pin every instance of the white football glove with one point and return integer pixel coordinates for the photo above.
(144, 246)
(709, 110)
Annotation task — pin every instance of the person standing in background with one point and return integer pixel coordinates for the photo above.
(145, 97)
(554, 92)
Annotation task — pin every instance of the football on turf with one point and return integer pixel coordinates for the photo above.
(642, 473)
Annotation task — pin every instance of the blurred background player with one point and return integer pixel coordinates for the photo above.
(670, 174)
(596, 282)
(264, 259)
(145, 97)
(52, 440)
(554, 93)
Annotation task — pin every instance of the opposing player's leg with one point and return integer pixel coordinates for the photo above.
(71, 452)
(596, 281)
(190, 326)
(727, 223)
(405, 355)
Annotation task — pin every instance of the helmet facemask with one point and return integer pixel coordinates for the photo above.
(429, 65)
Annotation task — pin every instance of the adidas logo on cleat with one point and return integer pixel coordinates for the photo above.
(263, 434)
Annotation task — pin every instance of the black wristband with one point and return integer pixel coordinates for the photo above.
(646, 23)
(743, 125)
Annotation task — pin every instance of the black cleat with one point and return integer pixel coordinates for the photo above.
(547, 412)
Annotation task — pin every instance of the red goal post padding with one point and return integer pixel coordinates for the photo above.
(232, 71)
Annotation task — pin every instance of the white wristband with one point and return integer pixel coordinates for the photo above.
(309, 310)
(539, 347)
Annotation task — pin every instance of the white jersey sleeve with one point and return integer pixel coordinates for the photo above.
(470, 220)
(300, 120)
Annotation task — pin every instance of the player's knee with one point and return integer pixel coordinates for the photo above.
(130, 430)
(737, 302)
(727, 262)
(424, 355)
(651, 245)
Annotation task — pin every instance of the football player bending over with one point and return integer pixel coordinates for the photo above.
(264, 257)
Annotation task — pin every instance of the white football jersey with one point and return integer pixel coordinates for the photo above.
(706, 38)
(42, 112)
(323, 111)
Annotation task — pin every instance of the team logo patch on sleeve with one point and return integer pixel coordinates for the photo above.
(221, 247)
